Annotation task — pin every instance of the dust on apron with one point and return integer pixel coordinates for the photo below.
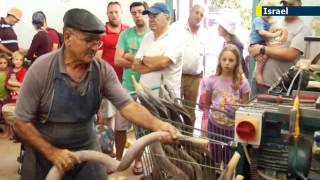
(69, 125)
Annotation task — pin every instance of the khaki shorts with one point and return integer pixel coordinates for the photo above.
(107, 109)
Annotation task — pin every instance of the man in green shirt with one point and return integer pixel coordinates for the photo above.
(128, 45)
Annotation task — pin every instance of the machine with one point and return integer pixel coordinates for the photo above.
(283, 125)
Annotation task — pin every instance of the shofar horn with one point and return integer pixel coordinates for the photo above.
(114, 165)
(136, 84)
(228, 171)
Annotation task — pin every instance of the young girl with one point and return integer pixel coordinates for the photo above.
(15, 76)
(4, 60)
(224, 90)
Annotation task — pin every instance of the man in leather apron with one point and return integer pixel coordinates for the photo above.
(60, 97)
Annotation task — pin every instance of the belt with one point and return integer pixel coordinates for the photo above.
(194, 75)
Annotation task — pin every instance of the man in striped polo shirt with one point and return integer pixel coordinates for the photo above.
(8, 38)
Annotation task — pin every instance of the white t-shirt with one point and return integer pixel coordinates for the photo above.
(167, 46)
(193, 49)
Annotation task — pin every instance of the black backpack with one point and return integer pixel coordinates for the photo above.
(60, 36)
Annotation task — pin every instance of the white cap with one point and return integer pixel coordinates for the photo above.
(228, 25)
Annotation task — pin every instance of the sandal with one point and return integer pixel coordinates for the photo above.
(137, 169)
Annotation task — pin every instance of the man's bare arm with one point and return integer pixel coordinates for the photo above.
(139, 115)
(283, 54)
(156, 63)
(139, 67)
(121, 60)
(277, 53)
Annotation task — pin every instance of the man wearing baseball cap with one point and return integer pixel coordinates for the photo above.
(157, 8)
(8, 38)
(160, 53)
(60, 97)
(278, 59)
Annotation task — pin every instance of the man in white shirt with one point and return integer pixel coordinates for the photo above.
(159, 53)
(193, 37)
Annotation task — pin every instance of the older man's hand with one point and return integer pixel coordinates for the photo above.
(164, 126)
(254, 50)
(63, 159)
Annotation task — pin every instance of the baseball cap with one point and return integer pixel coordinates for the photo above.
(16, 12)
(157, 8)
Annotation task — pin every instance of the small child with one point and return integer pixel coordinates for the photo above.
(227, 88)
(4, 61)
(260, 34)
(15, 76)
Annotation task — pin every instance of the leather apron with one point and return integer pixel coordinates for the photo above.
(70, 125)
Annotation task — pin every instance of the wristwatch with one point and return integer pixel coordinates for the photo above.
(141, 60)
(263, 50)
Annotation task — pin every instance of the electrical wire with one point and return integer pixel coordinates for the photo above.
(292, 82)
(246, 152)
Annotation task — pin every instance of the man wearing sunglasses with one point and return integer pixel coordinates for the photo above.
(60, 97)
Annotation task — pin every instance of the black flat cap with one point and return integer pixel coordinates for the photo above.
(83, 20)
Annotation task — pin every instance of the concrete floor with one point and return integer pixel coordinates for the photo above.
(9, 166)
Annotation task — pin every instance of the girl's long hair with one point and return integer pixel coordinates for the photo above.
(237, 71)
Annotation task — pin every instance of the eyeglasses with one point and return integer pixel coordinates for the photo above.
(16, 20)
(3, 63)
(153, 16)
(90, 41)
(93, 42)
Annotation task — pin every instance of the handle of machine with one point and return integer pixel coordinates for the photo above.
(280, 99)
(270, 98)
(132, 153)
